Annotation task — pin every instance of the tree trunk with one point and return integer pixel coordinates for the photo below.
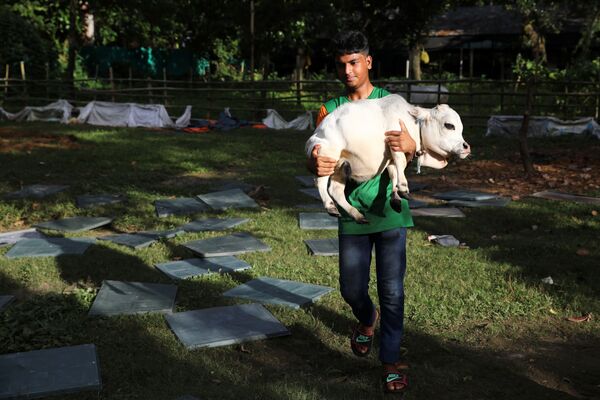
(523, 146)
(415, 61)
(72, 41)
(536, 42)
(88, 24)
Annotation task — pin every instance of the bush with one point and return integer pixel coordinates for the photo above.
(22, 42)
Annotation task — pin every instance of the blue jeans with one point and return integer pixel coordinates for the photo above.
(390, 260)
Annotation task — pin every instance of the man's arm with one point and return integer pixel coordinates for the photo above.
(401, 141)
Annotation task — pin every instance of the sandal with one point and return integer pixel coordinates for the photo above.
(360, 339)
(392, 377)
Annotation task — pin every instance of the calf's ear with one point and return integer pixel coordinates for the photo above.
(419, 114)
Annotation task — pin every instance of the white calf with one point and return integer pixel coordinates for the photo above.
(354, 135)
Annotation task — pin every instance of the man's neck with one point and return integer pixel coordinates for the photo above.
(360, 93)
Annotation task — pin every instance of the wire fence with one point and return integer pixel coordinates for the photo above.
(475, 100)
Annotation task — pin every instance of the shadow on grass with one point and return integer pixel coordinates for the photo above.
(141, 358)
(539, 239)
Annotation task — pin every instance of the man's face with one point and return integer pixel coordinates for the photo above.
(353, 69)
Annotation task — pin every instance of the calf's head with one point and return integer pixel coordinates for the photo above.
(441, 135)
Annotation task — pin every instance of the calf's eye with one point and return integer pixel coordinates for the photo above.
(449, 126)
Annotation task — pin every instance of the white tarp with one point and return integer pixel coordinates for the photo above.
(509, 125)
(275, 121)
(420, 94)
(58, 111)
(131, 115)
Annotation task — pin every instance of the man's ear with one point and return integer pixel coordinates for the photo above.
(369, 61)
(419, 114)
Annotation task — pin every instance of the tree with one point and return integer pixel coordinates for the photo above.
(21, 41)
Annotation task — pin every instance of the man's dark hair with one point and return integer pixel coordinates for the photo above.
(350, 42)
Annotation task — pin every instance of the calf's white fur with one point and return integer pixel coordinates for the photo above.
(354, 135)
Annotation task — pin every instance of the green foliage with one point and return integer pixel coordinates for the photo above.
(22, 42)
(527, 69)
(51, 320)
(226, 53)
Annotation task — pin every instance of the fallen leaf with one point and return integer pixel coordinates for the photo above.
(583, 252)
(583, 318)
(552, 311)
(244, 349)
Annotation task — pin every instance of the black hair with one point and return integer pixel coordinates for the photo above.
(350, 42)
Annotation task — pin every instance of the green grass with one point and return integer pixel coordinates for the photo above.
(466, 309)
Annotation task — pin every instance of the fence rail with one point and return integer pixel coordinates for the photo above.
(475, 100)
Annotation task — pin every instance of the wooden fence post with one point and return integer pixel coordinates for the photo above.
(112, 83)
(149, 90)
(298, 87)
(6, 75)
(96, 82)
(164, 86)
(47, 68)
(501, 97)
(23, 77)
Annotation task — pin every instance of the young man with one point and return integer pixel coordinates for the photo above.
(386, 229)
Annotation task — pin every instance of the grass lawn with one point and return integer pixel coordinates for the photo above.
(480, 324)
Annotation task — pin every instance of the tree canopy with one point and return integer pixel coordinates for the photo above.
(283, 29)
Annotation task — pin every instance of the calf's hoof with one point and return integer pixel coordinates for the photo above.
(333, 211)
(396, 201)
(396, 204)
(358, 217)
(362, 220)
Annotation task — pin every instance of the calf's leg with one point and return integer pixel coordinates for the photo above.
(401, 182)
(328, 203)
(336, 188)
(395, 201)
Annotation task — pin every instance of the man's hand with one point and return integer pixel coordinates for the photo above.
(320, 165)
(401, 141)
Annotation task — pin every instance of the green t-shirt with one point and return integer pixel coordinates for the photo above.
(371, 198)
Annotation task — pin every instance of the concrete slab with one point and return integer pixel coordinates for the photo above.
(135, 241)
(464, 194)
(311, 192)
(95, 200)
(306, 180)
(50, 247)
(222, 326)
(497, 202)
(180, 206)
(12, 237)
(118, 298)
(74, 224)
(36, 191)
(230, 245)
(192, 267)
(449, 212)
(317, 221)
(49, 372)
(268, 290)
(323, 247)
(213, 224)
(5, 300)
(224, 200)
(550, 195)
